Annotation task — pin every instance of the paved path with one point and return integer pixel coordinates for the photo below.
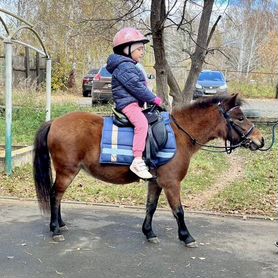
(107, 242)
(264, 108)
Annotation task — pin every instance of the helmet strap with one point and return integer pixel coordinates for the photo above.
(129, 50)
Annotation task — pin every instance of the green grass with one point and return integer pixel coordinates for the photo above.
(88, 189)
(247, 90)
(29, 114)
(203, 171)
(256, 193)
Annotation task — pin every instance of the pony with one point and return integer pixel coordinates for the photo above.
(72, 142)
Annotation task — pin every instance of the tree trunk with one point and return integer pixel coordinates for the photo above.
(158, 14)
(198, 57)
(175, 91)
(164, 75)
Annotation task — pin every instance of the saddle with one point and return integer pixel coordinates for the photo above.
(157, 133)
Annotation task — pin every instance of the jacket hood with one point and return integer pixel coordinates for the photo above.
(115, 60)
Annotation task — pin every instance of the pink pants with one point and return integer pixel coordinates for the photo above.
(135, 115)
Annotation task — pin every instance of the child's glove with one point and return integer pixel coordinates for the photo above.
(158, 101)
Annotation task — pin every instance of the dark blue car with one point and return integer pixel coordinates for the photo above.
(210, 83)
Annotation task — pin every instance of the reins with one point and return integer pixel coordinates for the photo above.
(231, 125)
(205, 147)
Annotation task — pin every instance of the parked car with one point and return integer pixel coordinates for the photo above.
(88, 81)
(209, 83)
(102, 88)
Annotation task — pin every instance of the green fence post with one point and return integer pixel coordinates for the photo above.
(8, 89)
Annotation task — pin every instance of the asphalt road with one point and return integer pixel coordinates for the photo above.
(262, 108)
(107, 242)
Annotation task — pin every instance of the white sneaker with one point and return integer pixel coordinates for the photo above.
(139, 168)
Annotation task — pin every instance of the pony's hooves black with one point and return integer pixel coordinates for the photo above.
(190, 242)
(58, 238)
(153, 240)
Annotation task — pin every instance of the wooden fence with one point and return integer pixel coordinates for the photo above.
(26, 68)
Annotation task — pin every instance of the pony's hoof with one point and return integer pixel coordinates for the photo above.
(64, 228)
(154, 240)
(191, 244)
(58, 238)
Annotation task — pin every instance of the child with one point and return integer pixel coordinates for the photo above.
(130, 91)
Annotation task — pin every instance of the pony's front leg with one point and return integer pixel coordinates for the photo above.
(154, 191)
(173, 196)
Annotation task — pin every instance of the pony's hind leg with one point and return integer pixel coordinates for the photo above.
(61, 184)
(173, 196)
(153, 195)
(62, 224)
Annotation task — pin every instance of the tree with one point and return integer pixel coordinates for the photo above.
(247, 28)
(69, 27)
(159, 17)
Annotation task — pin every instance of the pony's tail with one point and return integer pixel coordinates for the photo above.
(42, 168)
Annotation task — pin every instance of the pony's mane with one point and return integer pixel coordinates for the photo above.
(206, 102)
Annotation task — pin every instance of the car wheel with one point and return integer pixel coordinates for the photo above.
(86, 93)
(94, 102)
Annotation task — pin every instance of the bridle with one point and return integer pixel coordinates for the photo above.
(232, 126)
(244, 136)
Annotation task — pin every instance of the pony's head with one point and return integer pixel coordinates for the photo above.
(239, 130)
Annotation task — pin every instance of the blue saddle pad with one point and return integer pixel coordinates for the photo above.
(116, 144)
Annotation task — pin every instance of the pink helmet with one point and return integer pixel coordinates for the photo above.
(128, 36)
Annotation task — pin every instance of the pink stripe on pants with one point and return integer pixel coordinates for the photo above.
(135, 115)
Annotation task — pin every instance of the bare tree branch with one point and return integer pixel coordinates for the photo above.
(122, 17)
(183, 14)
(213, 29)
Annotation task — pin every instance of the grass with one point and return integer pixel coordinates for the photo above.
(29, 113)
(256, 90)
(203, 171)
(256, 193)
(87, 189)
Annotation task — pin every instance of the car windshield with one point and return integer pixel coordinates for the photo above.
(104, 72)
(93, 71)
(211, 75)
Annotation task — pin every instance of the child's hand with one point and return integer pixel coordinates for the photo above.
(158, 101)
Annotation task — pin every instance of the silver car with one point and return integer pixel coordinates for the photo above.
(209, 83)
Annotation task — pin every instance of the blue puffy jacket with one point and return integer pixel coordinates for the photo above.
(128, 82)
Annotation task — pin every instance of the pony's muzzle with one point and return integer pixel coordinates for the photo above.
(255, 143)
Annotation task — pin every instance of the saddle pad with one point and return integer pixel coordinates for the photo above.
(116, 144)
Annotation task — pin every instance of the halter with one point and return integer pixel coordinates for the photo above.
(245, 140)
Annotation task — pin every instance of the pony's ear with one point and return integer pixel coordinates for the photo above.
(230, 102)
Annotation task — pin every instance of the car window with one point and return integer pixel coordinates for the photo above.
(211, 75)
(104, 72)
(93, 71)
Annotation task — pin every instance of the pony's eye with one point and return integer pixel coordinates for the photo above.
(241, 119)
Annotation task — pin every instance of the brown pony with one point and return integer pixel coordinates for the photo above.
(73, 141)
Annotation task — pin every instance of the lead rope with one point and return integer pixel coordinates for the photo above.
(273, 138)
